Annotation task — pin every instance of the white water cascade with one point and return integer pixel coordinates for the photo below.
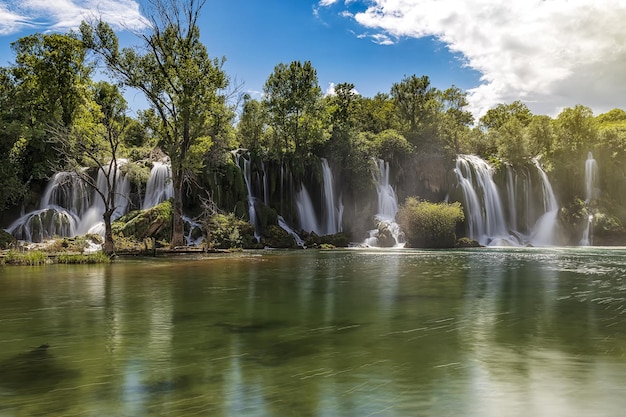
(159, 187)
(387, 208)
(591, 193)
(332, 208)
(482, 203)
(525, 219)
(69, 208)
(247, 176)
(543, 233)
(333, 211)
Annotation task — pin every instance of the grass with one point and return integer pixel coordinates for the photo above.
(34, 258)
(91, 258)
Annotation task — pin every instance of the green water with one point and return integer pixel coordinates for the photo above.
(490, 332)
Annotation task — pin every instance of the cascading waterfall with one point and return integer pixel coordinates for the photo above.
(332, 209)
(65, 199)
(306, 212)
(69, 207)
(91, 221)
(591, 193)
(483, 207)
(333, 212)
(387, 207)
(247, 176)
(591, 178)
(487, 220)
(544, 231)
(159, 187)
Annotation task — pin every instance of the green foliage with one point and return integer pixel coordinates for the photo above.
(495, 118)
(91, 258)
(292, 99)
(155, 222)
(6, 239)
(31, 258)
(390, 145)
(429, 225)
(225, 231)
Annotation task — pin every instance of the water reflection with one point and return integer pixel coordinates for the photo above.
(492, 332)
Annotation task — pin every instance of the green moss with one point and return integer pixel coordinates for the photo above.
(225, 231)
(142, 224)
(6, 239)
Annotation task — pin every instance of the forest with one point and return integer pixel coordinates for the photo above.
(62, 109)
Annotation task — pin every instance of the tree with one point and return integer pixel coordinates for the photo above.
(292, 98)
(179, 80)
(416, 104)
(454, 120)
(375, 114)
(499, 115)
(576, 130)
(252, 125)
(94, 140)
(51, 77)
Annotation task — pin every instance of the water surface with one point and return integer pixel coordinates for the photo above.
(489, 332)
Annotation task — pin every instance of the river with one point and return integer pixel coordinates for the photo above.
(479, 332)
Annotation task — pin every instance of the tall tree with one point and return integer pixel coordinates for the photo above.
(292, 97)
(181, 83)
(94, 140)
(51, 78)
(417, 105)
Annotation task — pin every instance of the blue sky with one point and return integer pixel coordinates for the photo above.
(550, 54)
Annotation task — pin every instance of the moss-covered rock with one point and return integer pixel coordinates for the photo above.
(277, 237)
(155, 222)
(466, 242)
(6, 239)
(226, 231)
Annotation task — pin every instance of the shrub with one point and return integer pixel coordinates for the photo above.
(32, 258)
(91, 258)
(429, 225)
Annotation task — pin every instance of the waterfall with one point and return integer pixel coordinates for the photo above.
(247, 176)
(333, 213)
(283, 224)
(387, 208)
(306, 212)
(591, 178)
(544, 231)
(69, 207)
(591, 193)
(482, 204)
(332, 209)
(159, 187)
(92, 221)
(489, 221)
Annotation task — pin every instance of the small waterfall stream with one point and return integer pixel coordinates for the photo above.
(387, 208)
(159, 187)
(591, 193)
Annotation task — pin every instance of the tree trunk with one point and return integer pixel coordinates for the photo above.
(109, 245)
(177, 210)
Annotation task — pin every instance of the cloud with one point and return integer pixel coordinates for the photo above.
(550, 54)
(63, 15)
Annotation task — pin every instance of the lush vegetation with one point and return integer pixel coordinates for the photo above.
(55, 116)
(429, 225)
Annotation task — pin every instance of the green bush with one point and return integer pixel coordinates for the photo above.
(429, 225)
(26, 258)
(91, 258)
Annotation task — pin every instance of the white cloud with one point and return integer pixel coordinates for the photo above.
(63, 15)
(330, 90)
(551, 53)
